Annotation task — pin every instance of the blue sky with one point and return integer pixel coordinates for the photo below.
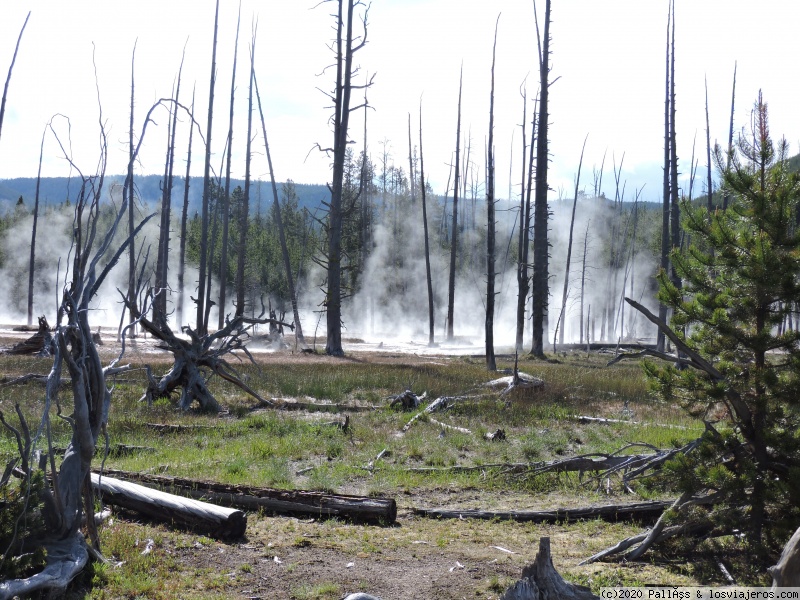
(608, 56)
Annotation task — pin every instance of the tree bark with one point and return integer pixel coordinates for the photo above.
(563, 314)
(523, 286)
(184, 220)
(665, 238)
(127, 194)
(291, 502)
(675, 218)
(344, 51)
(244, 215)
(281, 232)
(710, 190)
(10, 69)
(226, 199)
(541, 580)
(491, 364)
(425, 233)
(787, 572)
(32, 262)
(200, 324)
(214, 520)
(727, 198)
(451, 285)
(540, 245)
(610, 512)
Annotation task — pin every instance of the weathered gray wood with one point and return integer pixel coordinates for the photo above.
(787, 572)
(283, 404)
(541, 581)
(609, 512)
(217, 521)
(293, 502)
(65, 559)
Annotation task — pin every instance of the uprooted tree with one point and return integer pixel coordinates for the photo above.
(196, 358)
(738, 367)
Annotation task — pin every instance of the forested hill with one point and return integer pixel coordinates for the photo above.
(55, 190)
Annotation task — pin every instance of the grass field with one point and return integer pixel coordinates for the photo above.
(284, 557)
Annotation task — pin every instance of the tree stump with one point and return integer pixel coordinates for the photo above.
(541, 581)
(787, 572)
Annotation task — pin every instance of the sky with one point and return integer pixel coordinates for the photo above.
(607, 79)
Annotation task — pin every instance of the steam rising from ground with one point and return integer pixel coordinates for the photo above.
(391, 301)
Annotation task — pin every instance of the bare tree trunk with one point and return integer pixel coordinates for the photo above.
(10, 69)
(344, 50)
(451, 285)
(184, 219)
(279, 220)
(540, 245)
(425, 233)
(524, 230)
(583, 282)
(727, 197)
(226, 200)
(33, 233)
(244, 215)
(491, 364)
(127, 198)
(201, 282)
(708, 156)
(665, 238)
(563, 314)
(675, 225)
(162, 263)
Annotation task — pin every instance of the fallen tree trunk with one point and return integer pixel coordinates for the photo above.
(214, 520)
(541, 580)
(584, 463)
(283, 404)
(610, 512)
(169, 428)
(287, 502)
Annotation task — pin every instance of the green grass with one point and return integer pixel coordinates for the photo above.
(290, 450)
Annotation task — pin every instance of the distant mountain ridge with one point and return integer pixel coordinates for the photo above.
(55, 190)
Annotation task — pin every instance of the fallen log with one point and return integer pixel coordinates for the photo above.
(450, 427)
(604, 421)
(583, 463)
(283, 404)
(541, 580)
(439, 404)
(285, 502)
(168, 428)
(611, 512)
(217, 521)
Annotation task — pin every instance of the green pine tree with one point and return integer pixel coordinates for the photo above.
(741, 284)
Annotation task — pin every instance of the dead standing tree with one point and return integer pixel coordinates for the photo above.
(540, 245)
(425, 233)
(491, 364)
(451, 286)
(344, 48)
(69, 495)
(10, 69)
(279, 220)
